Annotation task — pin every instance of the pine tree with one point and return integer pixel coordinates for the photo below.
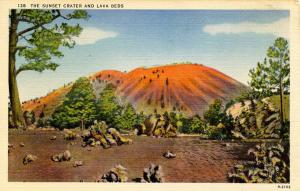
(78, 108)
(273, 75)
(107, 107)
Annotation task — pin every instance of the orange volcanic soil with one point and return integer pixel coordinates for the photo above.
(186, 88)
(47, 103)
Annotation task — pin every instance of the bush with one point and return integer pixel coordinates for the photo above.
(214, 113)
(217, 132)
(43, 122)
(176, 119)
(193, 125)
(127, 119)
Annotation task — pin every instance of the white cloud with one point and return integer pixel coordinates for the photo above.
(277, 28)
(91, 35)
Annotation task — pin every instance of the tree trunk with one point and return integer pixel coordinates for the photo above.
(82, 124)
(281, 105)
(17, 117)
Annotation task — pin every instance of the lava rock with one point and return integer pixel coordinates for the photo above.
(65, 156)
(29, 158)
(78, 163)
(116, 174)
(169, 155)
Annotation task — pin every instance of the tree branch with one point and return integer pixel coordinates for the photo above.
(41, 24)
(19, 70)
(24, 37)
(21, 47)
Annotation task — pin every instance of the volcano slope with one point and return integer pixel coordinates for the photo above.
(185, 88)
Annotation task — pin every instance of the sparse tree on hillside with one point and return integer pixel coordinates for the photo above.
(273, 75)
(37, 35)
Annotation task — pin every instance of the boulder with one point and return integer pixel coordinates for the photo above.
(140, 129)
(150, 124)
(29, 158)
(65, 156)
(100, 134)
(153, 174)
(158, 126)
(226, 144)
(110, 140)
(169, 155)
(274, 116)
(116, 174)
(78, 163)
(238, 135)
(118, 137)
(69, 135)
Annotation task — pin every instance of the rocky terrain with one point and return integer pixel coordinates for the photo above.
(196, 160)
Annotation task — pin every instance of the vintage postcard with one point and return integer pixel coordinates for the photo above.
(125, 94)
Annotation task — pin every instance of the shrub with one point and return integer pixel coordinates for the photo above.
(216, 132)
(127, 119)
(176, 119)
(214, 113)
(193, 125)
(219, 124)
(43, 122)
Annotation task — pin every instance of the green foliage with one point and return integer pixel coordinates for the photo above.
(248, 94)
(229, 104)
(141, 117)
(107, 107)
(273, 71)
(176, 119)
(128, 118)
(46, 32)
(42, 122)
(78, 106)
(222, 130)
(216, 132)
(219, 124)
(214, 113)
(115, 115)
(193, 125)
(270, 165)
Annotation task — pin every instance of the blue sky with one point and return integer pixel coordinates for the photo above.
(230, 41)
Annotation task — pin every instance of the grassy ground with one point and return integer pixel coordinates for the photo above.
(197, 160)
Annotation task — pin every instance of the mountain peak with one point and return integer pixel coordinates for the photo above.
(182, 87)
